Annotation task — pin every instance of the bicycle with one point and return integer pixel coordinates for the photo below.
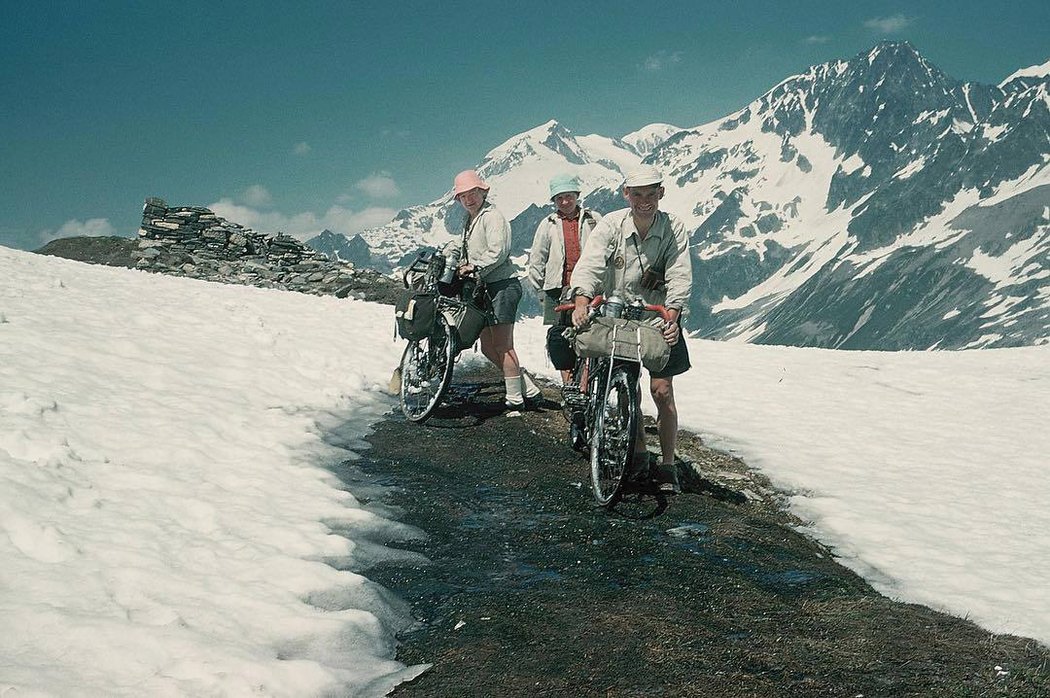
(440, 320)
(603, 404)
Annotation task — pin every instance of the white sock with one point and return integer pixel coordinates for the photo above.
(531, 389)
(513, 390)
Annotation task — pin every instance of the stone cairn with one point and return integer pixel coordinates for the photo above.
(194, 242)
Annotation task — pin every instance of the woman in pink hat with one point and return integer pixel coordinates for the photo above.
(485, 253)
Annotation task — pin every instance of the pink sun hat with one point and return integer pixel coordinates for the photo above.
(467, 180)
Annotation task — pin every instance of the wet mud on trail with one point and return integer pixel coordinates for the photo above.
(530, 590)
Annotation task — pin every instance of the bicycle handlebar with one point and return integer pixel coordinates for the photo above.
(599, 299)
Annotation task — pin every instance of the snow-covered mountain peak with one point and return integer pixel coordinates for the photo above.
(897, 68)
(519, 169)
(517, 172)
(536, 143)
(868, 202)
(1031, 74)
(892, 51)
(648, 137)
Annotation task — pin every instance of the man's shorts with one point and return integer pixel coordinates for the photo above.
(504, 295)
(677, 363)
(560, 349)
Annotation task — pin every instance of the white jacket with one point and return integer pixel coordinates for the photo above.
(486, 243)
(547, 256)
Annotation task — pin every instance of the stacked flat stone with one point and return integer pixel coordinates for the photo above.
(193, 241)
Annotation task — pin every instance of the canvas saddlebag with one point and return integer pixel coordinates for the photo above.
(631, 340)
(468, 322)
(415, 313)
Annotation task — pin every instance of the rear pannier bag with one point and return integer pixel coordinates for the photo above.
(415, 313)
(468, 321)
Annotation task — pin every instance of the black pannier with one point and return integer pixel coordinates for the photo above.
(415, 313)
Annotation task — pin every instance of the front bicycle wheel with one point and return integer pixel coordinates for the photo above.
(426, 371)
(612, 444)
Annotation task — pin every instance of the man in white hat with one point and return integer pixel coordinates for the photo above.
(643, 252)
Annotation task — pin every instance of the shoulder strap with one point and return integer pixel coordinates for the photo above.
(669, 241)
(468, 230)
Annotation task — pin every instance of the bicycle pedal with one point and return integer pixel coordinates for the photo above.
(573, 398)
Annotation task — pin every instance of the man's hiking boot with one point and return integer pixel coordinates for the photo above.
(526, 404)
(665, 477)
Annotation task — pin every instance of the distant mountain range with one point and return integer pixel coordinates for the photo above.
(339, 247)
(870, 203)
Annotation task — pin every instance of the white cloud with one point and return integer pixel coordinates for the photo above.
(306, 224)
(93, 227)
(348, 221)
(257, 195)
(379, 185)
(816, 39)
(889, 25)
(661, 60)
(302, 148)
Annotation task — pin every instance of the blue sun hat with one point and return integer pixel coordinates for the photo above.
(563, 183)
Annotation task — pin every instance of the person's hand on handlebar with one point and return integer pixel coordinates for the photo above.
(465, 270)
(672, 330)
(581, 313)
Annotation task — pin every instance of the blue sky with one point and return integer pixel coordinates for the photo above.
(305, 115)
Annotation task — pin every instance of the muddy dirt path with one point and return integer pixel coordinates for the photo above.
(532, 591)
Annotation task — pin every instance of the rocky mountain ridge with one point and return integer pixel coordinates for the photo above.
(868, 203)
(904, 183)
(194, 242)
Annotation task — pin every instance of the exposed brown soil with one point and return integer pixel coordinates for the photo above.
(532, 591)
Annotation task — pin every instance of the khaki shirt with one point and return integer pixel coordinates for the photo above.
(614, 258)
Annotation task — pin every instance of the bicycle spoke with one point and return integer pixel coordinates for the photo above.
(614, 435)
(426, 371)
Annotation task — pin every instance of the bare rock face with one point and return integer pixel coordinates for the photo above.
(194, 242)
(108, 250)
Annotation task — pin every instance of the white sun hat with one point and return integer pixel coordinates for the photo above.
(643, 176)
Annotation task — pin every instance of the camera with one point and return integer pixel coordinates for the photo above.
(653, 279)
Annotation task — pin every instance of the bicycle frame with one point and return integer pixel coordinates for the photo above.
(611, 411)
(426, 365)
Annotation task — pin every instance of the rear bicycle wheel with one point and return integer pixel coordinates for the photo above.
(612, 443)
(426, 371)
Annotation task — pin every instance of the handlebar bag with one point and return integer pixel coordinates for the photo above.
(630, 340)
(415, 313)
